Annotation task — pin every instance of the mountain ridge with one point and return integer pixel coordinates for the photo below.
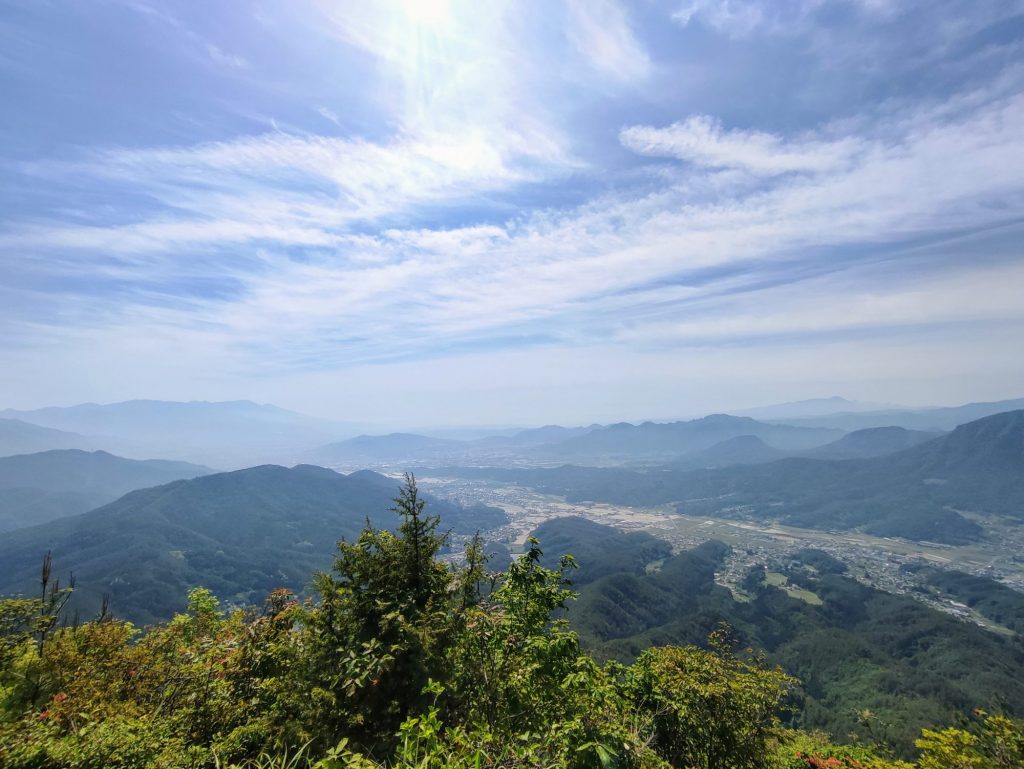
(240, 533)
(35, 488)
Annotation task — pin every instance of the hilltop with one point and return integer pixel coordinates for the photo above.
(35, 488)
(241, 534)
(19, 437)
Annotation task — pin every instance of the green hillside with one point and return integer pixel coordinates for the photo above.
(241, 534)
(20, 437)
(854, 648)
(401, 662)
(35, 488)
(598, 549)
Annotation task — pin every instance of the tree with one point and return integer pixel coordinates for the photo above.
(710, 709)
(378, 630)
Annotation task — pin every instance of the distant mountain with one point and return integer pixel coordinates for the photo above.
(392, 447)
(537, 436)
(751, 450)
(19, 437)
(35, 488)
(741, 450)
(227, 434)
(811, 408)
(936, 419)
(676, 439)
(915, 493)
(872, 442)
(397, 449)
(241, 534)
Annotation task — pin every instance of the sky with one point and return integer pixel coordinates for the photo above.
(452, 212)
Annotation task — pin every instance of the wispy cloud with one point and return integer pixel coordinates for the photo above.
(496, 207)
(701, 140)
(220, 56)
(600, 30)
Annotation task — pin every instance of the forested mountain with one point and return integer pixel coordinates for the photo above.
(741, 450)
(35, 488)
(751, 450)
(241, 534)
(872, 442)
(402, 662)
(674, 439)
(991, 599)
(18, 437)
(598, 549)
(909, 494)
(536, 436)
(391, 447)
(853, 647)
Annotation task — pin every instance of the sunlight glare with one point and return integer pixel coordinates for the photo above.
(428, 13)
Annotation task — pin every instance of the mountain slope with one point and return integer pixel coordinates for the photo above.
(751, 450)
(914, 493)
(536, 436)
(597, 548)
(872, 442)
(675, 439)
(19, 437)
(859, 649)
(392, 447)
(241, 534)
(741, 450)
(35, 488)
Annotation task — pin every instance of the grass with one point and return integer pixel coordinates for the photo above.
(775, 579)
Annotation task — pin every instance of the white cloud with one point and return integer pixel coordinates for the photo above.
(220, 56)
(701, 140)
(297, 190)
(600, 30)
(572, 274)
(311, 234)
(862, 299)
(737, 17)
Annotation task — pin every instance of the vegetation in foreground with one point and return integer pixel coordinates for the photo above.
(402, 662)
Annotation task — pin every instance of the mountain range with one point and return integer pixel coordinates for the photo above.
(933, 419)
(717, 440)
(811, 407)
(651, 440)
(236, 434)
(35, 488)
(918, 493)
(241, 534)
(752, 450)
(18, 437)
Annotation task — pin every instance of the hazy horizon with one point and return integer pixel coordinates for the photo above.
(818, 405)
(431, 212)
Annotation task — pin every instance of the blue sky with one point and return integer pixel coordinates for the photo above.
(457, 212)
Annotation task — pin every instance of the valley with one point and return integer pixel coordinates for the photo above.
(885, 563)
